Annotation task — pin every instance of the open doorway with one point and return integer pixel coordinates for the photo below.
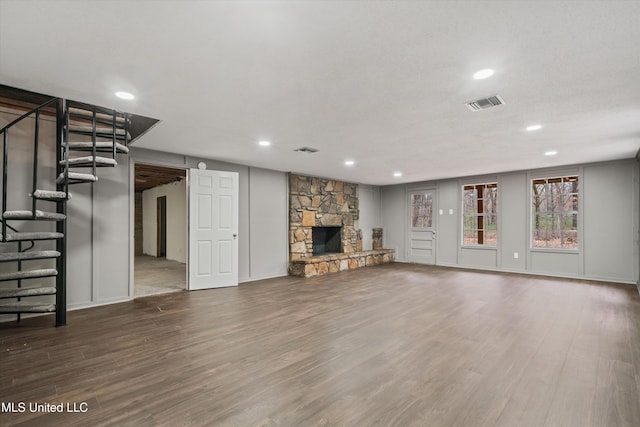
(160, 231)
(161, 220)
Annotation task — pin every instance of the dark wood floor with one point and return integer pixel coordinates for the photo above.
(394, 345)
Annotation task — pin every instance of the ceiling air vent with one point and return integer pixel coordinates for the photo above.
(484, 103)
(306, 150)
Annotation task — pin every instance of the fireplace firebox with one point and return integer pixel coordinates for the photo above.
(326, 240)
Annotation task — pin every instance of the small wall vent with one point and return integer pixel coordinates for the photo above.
(306, 150)
(484, 103)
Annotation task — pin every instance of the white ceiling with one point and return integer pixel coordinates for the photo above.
(382, 83)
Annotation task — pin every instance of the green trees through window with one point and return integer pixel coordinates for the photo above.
(555, 202)
(422, 210)
(555, 212)
(479, 214)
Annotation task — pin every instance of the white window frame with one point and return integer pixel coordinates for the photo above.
(484, 183)
(577, 212)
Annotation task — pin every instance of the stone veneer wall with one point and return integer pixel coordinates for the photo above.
(319, 202)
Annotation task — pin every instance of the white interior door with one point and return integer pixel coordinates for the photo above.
(422, 233)
(213, 229)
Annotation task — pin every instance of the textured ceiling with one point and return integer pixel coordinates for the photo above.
(381, 83)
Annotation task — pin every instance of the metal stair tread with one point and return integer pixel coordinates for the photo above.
(87, 161)
(105, 132)
(28, 215)
(101, 146)
(27, 291)
(28, 274)
(77, 177)
(50, 195)
(26, 256)
(81, 112)
(26, 307)
(33, 235)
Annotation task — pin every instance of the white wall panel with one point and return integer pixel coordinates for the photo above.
(176, 194)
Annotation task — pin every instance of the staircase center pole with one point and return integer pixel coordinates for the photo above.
(61, 226)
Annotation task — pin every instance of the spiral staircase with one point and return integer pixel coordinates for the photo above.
(33, 262)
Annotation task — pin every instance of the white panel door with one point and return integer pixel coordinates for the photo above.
(213, 229)
(422, 233)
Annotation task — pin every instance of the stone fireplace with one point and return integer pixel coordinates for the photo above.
(321, 204)
(323, 227)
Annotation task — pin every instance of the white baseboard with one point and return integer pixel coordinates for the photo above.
(263, 277)
(90, 304)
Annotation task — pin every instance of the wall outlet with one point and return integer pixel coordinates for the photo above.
(450, 211)
(440, 212)
(515, 255)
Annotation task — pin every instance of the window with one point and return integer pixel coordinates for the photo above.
(555, 212)
(422, 210)
(479, 214)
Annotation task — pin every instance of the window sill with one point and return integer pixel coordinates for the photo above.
(555, 250)
(481, 247)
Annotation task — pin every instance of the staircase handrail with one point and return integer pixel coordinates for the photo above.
(5, 158)
(96, 108)
(20, 249)
(25, 115)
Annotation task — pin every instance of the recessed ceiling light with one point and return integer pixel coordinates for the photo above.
(397, 174)
(264, 143)
(483, 74)
(533, 127)
(125, 95)
(349, 163)
(550, 153)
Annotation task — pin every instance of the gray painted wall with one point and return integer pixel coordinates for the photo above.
(513, 234)
(637, 234)
(260, 255)
(111, 234)
(608, 224)
(80, 289)
(268, 223)
(370, 212)
(394, 214)
(447, 223)
(610, 221)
